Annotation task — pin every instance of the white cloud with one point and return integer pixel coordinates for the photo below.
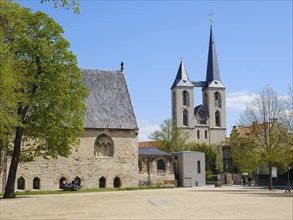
(238, 100)
(145, 129)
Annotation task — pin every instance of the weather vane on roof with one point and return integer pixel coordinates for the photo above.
(211, 16)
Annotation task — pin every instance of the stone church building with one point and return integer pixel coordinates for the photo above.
(205, 122)
(107, 155)
(108, 151)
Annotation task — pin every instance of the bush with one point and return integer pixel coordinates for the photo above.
(211, 177)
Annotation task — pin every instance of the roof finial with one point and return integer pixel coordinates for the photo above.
(181, 58)
(211, 16)
(122, 66)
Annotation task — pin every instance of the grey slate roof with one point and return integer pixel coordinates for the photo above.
(182, 78)
(108, 103)
(152, 151)
(213, 73)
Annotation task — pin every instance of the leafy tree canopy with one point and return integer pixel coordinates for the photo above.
(263, 138)
(41, 87)
(68, 4)
(169, 138)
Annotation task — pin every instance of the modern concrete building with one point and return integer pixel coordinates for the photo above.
(190, 168)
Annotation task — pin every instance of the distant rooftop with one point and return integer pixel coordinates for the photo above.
(153, 151)
(147, 144)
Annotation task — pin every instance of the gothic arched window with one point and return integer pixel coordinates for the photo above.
(21, 183)
(104, 146)
(217, 100)
(161, 165)
(36, 183)
(185, 98)
(202, 118)
(185, 117)
(218, 118)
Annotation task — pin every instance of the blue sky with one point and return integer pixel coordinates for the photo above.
(253, 41)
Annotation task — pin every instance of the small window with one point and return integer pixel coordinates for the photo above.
(185, 98)
(206, 134)
(198, 167)
(117, 182)
(36, 183)
(160, 165)
(21, 183)
(217, 118)
(185, 117)
(174, 99)
(102, 182)
(198, 134)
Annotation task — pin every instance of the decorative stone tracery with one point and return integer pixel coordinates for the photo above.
(104, 146)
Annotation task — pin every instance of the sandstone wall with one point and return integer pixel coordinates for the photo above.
(85, 165)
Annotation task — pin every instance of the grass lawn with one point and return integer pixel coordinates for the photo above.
(39, 192)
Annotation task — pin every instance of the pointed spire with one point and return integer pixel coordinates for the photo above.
(182, 78)
(213, 73)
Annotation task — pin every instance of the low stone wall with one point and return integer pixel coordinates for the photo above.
(83, 164)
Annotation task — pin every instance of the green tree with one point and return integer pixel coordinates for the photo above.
(287, 136)
(72, 4)
(264, 141)
(169, 138)
(47, 96)
(243, 158)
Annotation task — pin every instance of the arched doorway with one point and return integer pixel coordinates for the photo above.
(117, 182)
(102, 182)
(21, 183)
(36, 183)
(61, 185)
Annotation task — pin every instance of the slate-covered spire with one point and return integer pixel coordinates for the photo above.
(213, 73)
(182, 78)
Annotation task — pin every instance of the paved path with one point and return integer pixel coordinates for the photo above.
(182, 203)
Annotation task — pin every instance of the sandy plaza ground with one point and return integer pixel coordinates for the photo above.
(206, 202)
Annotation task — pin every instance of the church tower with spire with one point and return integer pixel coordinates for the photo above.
(205, 122)
(182, 99)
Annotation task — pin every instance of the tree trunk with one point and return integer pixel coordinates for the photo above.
(9, 190)
(270, 177)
